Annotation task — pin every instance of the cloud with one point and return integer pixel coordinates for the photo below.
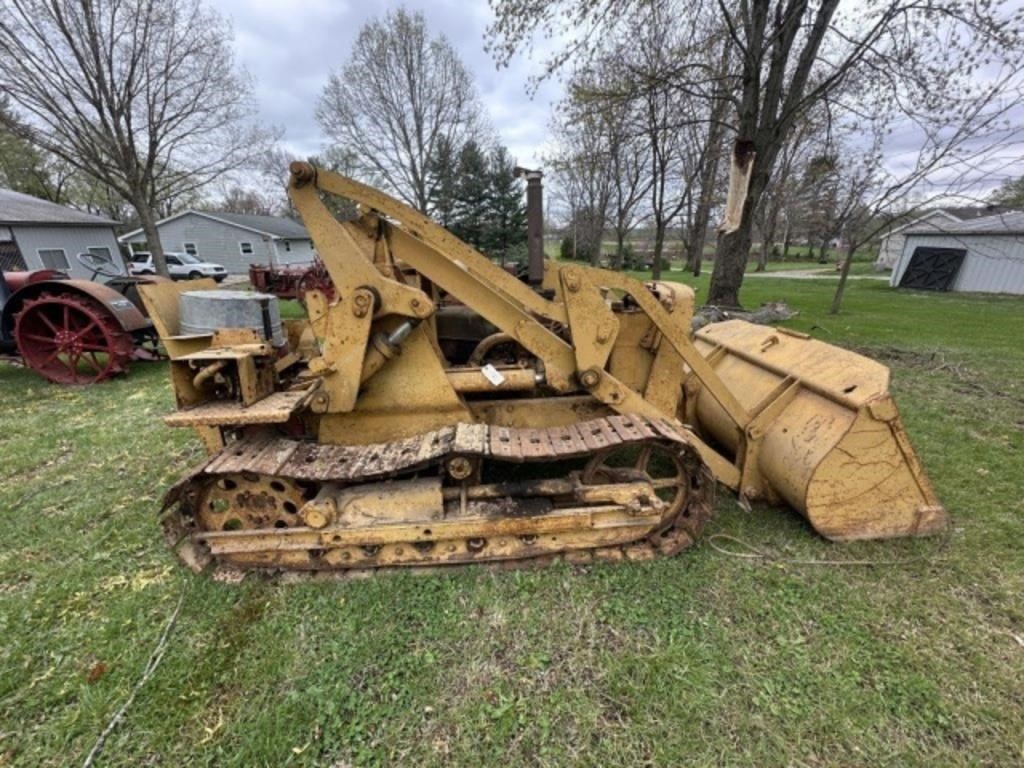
(290, 48)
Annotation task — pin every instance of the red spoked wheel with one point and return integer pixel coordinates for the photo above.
(71, 339)
(315, 278)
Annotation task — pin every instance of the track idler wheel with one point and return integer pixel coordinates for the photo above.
(71, 339)
(673, 475)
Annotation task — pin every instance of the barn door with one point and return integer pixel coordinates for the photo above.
(933, 269)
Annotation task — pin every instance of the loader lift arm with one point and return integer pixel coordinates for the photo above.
(775, 415)
(511, 305)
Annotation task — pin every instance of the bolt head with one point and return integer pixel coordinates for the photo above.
(459, 468)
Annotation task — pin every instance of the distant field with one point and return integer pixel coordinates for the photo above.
(702, 659)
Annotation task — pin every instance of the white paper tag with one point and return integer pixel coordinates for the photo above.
(493, 375)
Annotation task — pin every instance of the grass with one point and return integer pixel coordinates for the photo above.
(798, 259)
(702, 659)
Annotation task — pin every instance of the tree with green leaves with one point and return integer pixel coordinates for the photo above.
(506, 207)
(1010, 193)
(472, 196)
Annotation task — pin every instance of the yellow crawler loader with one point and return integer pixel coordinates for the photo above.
(438, 410)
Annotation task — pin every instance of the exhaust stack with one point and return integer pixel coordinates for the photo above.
(534, 224)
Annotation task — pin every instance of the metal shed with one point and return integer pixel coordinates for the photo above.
(38, 234)
(891, 247)
(992, 251)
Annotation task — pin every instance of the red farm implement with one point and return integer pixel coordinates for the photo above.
(75, 331)
(291, 282)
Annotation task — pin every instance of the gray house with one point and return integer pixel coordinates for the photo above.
(985, 255)
(38, 234)
(234, 240)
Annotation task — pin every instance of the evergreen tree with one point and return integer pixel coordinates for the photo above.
(507, 207)
(471, 209)
(443, 171)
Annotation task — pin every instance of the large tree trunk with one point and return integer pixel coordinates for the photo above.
(733, 250)
(620, 247)
(148, 221)
(659, 246)
(730, 263)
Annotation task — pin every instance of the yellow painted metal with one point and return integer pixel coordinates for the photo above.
(347, 265)
(511, 380)
(305, 177)
(408, 396)
(775, 415)
(504, 309)
(593, 324)
(830, 443)
(538, 412)
(346, 335)
(161, 302)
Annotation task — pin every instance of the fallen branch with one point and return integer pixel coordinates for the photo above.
(154, 661)
(768, 314)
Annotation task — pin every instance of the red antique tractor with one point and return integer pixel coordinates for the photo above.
(75, 331)
(291, 282)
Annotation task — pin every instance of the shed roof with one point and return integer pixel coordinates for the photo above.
(18, 208)
(277, 227)
(933, 218)
(1011, 223)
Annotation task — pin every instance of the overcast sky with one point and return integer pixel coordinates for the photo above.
(290, 48)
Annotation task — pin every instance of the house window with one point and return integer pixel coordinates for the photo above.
(190, 248)
(245, 248)
(100, 252)
(10, 257)
(53, 258)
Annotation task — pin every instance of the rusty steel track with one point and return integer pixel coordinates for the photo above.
(277, 474)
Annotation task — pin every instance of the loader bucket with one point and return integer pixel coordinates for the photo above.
(825, 434)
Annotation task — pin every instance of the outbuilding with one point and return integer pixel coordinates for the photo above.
(234, 240)
(38, 234)
(891, 247)
(985, 255)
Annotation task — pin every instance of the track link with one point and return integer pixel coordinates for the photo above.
(241, 508)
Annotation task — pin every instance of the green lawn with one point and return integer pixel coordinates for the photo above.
(863, 260)
(702, 659)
